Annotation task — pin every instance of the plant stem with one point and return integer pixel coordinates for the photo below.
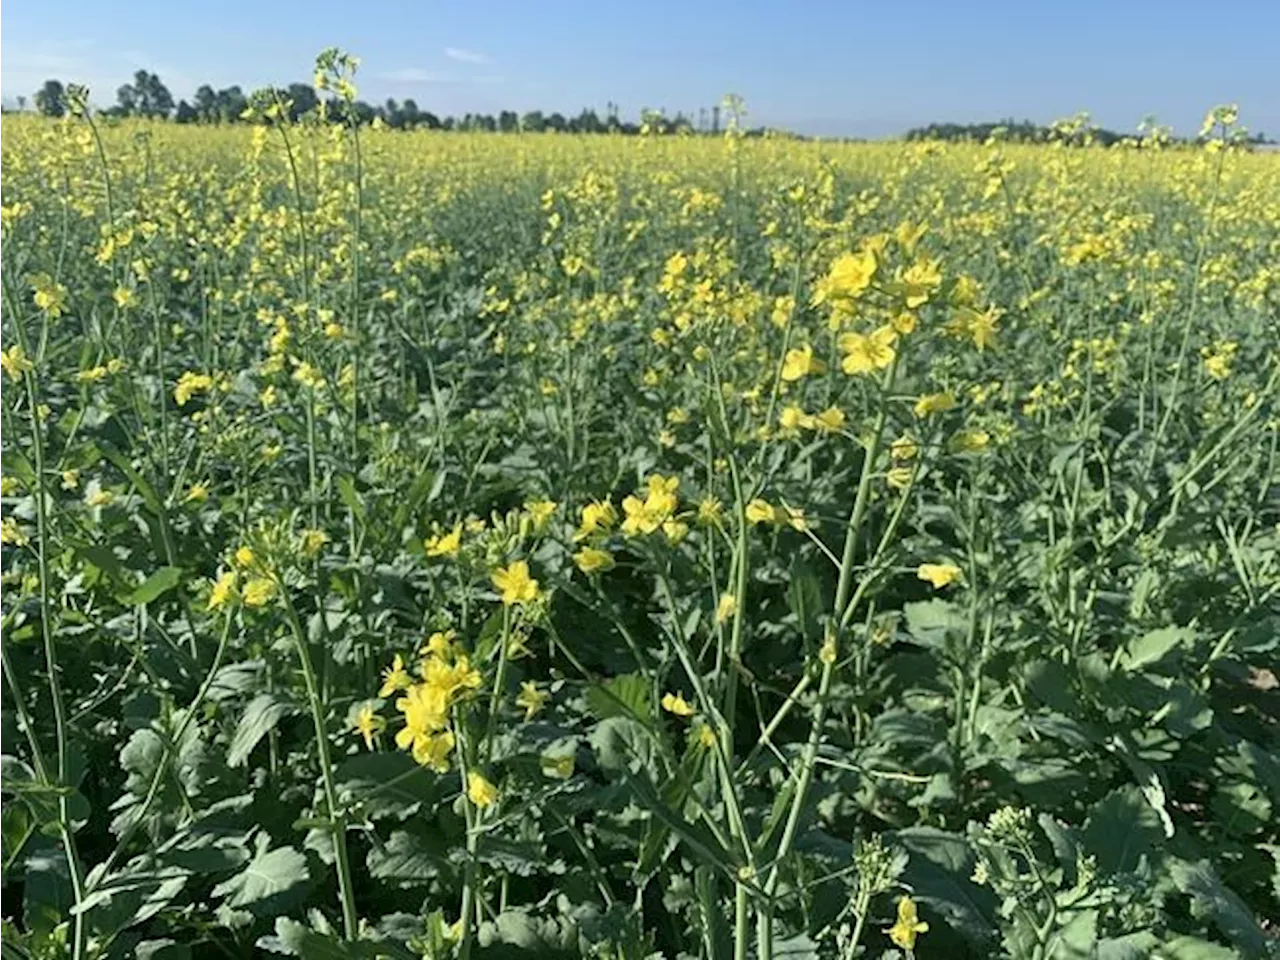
(337, 821)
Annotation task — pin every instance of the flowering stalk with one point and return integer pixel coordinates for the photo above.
(828, 656)
(337, 821)
(50, 648)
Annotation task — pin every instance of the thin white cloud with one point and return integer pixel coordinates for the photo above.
(417, 75)
(465, 56)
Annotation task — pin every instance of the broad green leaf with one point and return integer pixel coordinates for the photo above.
(1155, 645)
(165, 949)
(47, 892)
(267, 881)
(407, 859)
(260, 716)
(298, 940)
(628, 695)
(1211, 898)
(155, 586)
(1193, 948)
(1120, 829)
(1131, 946)
(386, 784)
(938, 873)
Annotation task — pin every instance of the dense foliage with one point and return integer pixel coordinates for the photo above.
(426, 546)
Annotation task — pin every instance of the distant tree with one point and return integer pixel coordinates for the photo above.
(557, 122)
(302, 100)
(508, 121)
(586, 122)
(185, 113)
(533, 122)
(205, 103)
(230, 103)
(22, 103)
(147, 96)
(51, 99)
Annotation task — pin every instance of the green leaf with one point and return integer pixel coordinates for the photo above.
(1075, 937)
(268, 881)
(628, 695)
(1120, 829)
(1211, 898)
(385, 784)
(350, 497)
(407, 859)
(700, 840)
(1155, 645)
(1193, 948)
(140, 482)
(804, 596)
(938, 872)
(298, 940)
(48, 893)
(165, 949)
(155, 586)
(1132, 946)
(260, 716)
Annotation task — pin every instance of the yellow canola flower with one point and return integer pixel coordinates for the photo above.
(675, 703)
(480, 791)
(908, 926)
(899, 478)
(189, 384)
(531, 699)
(904, 448)
(864, 353)
(368, 724)
(259, 591)
(932, 403)
(761, 511)
(50, 296)
(13, 534)
(593, 560)
(395, 678)
(445, 544)
(515, 584)
(726, 607)
(540, 512)
(970, 440)
(646, 516)
(938, 574)
(597, 517)
(800, 362)
(224, 590)
(830, 420)
(15, 362)
(848, 278)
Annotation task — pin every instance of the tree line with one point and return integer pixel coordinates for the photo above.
(147, 96)
(1078, 130)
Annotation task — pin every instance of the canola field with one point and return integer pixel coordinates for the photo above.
(425, 545)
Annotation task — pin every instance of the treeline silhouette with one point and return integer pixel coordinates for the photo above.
(1075, 131)
(1014, 131)
(147, 96)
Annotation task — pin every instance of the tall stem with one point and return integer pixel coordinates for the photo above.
(808, 761)
(337, 821)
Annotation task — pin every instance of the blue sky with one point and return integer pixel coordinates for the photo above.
(818, 66)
